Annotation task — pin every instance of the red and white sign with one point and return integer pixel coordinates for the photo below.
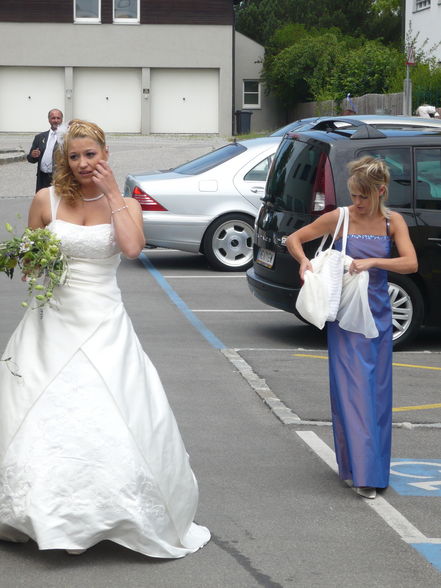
(410, 55)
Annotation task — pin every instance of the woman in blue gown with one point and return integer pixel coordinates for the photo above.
(360, 368)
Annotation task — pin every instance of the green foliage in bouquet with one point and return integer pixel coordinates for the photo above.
(38, 256)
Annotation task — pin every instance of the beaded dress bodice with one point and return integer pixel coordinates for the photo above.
(92, 242)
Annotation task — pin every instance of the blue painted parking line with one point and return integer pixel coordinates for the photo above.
(416, 477)
(431, 551)
(177, 300)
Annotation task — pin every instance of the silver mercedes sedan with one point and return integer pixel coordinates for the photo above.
(209, 204)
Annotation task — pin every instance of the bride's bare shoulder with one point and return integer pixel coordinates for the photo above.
(40, 209)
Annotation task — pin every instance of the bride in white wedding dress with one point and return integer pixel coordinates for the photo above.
(89, 447)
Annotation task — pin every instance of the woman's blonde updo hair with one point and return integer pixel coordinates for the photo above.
(65, 184)
(366, 176)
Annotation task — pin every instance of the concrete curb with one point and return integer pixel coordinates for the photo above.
(9, 156)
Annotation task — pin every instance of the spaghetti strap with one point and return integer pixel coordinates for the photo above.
(55, 201)
(388, 227)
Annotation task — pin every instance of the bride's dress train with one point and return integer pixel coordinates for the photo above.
(89, 447)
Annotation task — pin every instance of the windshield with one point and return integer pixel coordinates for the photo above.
(210, 160)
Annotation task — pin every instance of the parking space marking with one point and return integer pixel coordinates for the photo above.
(428, 547)
(159, 250)
(420, 407)
(177, 300)
(310, 355)
(280, 410)
(235, 310)
(409, 365)
(416, 477)
(420, 367)
(220, 277)
(395, 364)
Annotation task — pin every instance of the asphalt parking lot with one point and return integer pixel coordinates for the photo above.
(276, 344)
(285, 362)
(249, 386)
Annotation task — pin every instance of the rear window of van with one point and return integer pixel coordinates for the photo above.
(292, 181)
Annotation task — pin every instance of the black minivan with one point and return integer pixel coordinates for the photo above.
(308, 177)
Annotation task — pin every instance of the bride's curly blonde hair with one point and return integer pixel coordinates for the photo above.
(65, 184)
(366, 176)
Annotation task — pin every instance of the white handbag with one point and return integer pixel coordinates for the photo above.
(318, 300)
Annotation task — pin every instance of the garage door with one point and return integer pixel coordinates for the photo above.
(184, 101)
(110, 97)
(26, 96)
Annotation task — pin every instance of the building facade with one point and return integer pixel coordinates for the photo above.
(423, 17)
(132, 66)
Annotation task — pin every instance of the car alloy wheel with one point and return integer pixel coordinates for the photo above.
(407, 308)
(228, 242)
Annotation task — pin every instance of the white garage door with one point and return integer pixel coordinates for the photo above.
(184, 101)
(110, 97)
(26, 96)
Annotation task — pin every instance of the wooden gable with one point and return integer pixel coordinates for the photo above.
(200, 12)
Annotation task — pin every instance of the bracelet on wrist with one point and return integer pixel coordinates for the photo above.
(119, 209)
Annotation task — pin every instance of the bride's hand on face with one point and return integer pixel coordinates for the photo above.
(103, 178)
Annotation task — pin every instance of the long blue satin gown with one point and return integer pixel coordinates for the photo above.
(360, 374)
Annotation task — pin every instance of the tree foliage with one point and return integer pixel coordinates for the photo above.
(303, 65)
(373, 19)
(325, 49)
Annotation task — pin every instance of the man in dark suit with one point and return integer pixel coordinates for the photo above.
(42, 150)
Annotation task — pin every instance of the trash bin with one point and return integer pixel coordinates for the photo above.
(243, 121)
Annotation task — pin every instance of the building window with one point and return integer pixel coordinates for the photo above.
(126, 11)
(251, 94)
(420, 4)
(87, 11)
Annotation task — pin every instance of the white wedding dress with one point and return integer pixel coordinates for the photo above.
(89, 447)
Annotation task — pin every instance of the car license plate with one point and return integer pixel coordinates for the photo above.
(265, 257)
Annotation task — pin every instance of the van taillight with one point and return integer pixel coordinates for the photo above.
(146, 201)
(323, 192)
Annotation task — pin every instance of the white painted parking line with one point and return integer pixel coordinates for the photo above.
(398, 522)
(235, 310)
(189, 277)
(154, 250)
(428, 547)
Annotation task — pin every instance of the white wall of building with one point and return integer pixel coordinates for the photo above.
(249, 60)
(111, 49)
(426, 23)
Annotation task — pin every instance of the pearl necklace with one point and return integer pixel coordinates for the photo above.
(92, 199)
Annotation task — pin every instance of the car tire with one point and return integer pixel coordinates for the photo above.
(228, 242)
(407, 308)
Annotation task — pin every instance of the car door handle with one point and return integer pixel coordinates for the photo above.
(257, 189)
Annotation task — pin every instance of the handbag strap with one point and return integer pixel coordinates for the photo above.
(344, 236)
(342, 218)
